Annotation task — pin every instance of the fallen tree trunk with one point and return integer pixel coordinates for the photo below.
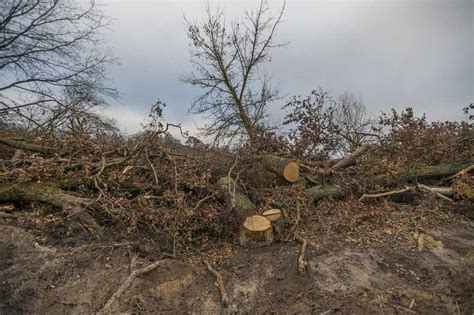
(234, 196)
(418, 173)
(50, 193)
(287, 169)
(345, 162)
(27, 146)
(317, 193)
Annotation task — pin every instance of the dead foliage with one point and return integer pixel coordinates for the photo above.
(155, 188)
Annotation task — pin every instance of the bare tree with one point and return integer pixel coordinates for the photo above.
(48, 47)
(350, 122)
(321, 127)
(227, 60)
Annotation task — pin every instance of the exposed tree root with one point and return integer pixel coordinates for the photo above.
(219, 283)
(128, 282)
(302, 263)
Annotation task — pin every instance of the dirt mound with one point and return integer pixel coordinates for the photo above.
(347, 279)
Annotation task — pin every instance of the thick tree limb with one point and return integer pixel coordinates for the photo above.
(351, 158)
(50, 193)
(27, 146)
(234, 196)
(317, 193)
(287, 169)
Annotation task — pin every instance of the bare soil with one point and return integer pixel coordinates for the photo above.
(429, 273)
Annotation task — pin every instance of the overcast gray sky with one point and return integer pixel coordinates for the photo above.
(393, 54)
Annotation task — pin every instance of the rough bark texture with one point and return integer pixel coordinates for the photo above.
(287, 169)
(50, 193)
(234, 196)
(249, 238)
(319, 192)
(27, 146)
(412, 174)
(351, 158)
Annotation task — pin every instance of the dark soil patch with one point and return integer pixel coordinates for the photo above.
(339, 279)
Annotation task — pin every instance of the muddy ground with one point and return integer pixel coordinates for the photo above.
(431, 272)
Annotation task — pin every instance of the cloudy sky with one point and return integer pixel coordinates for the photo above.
(393, 54)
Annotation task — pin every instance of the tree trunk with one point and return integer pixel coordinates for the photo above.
(419, 173)
(234, 196)
(319, 192)
(287, 169)
(27, 146)
(50, 193)
(351, 158)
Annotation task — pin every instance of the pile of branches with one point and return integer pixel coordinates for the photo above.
(152, 186)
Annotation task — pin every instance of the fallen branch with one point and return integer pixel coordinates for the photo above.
(441, 192)
(351, 158)
(317, 193)
(461, 172)
(128, 282)
(27, 146)
(219, 283)
(50, 193)
(384, 194)
(345, 162)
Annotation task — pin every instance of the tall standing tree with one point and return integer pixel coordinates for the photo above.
(228, 60)
(48, 47)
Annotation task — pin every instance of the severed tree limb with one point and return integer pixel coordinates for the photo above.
(347, 161)
(51, 193)
(129, 281)
(351, 158)
(460, 173)
(219, 283)
(441, 192)
(27, 146)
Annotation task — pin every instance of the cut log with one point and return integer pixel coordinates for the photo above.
(256, 231)
(317, 193)
(287, 169)
(50, 193)
(234, 196)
